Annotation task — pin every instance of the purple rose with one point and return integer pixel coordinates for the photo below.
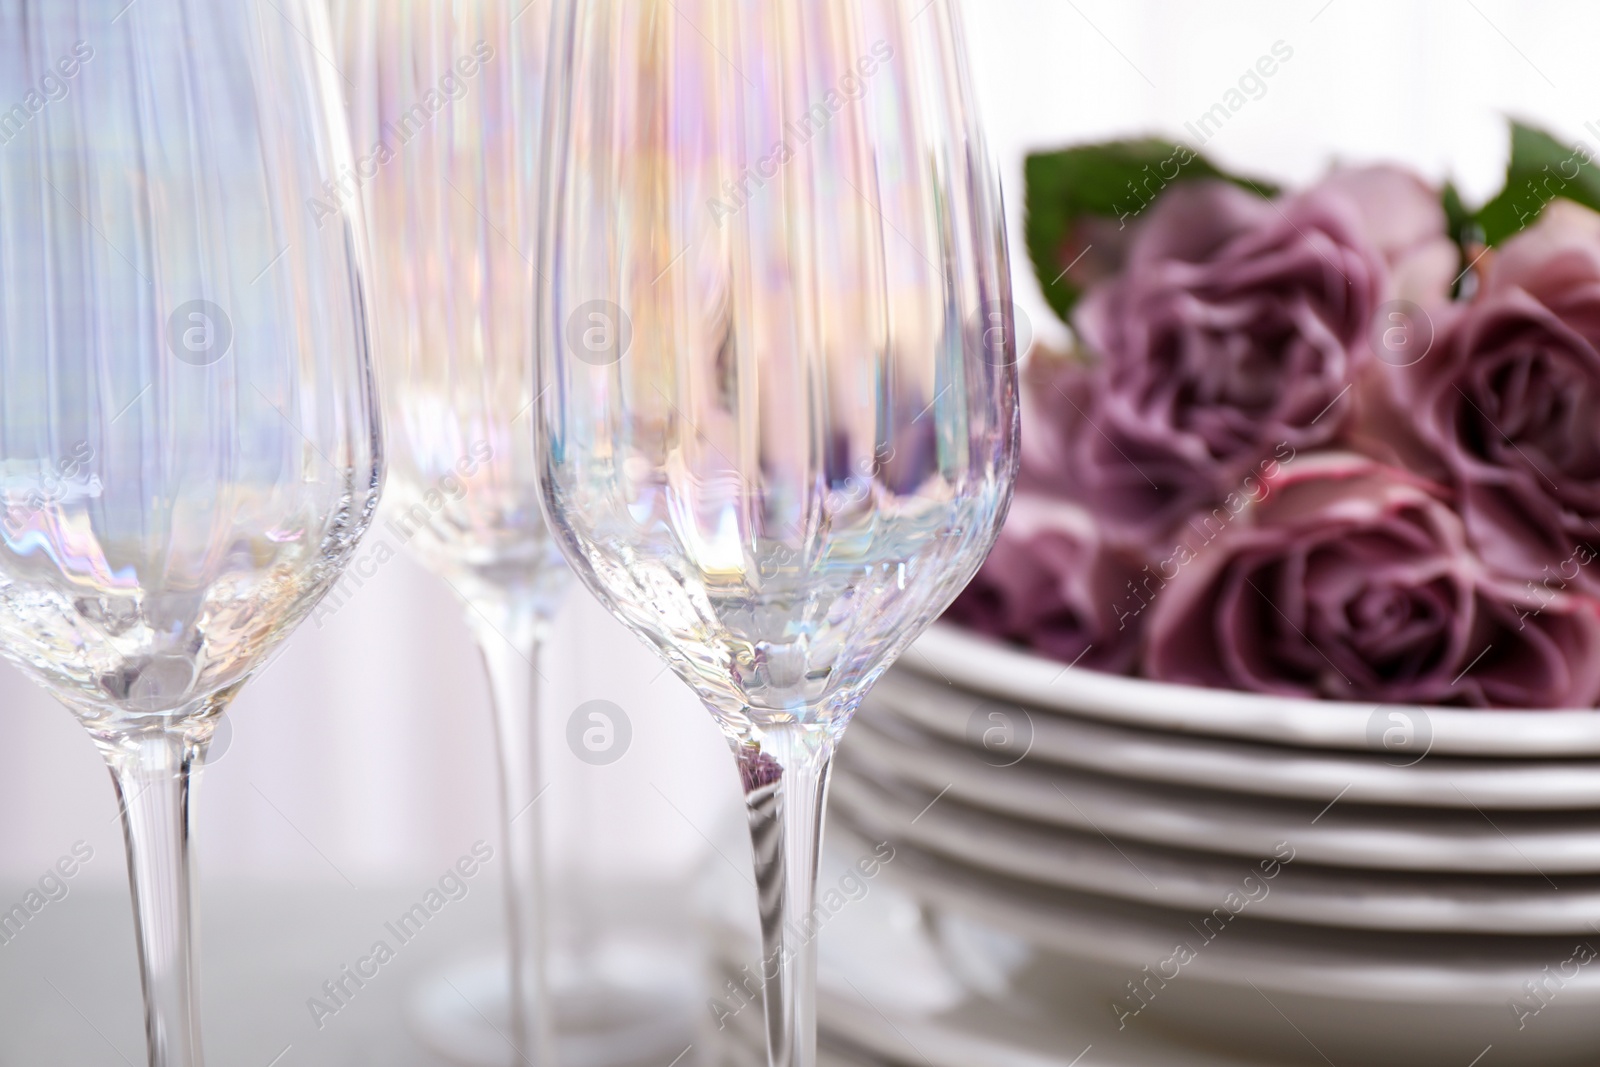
(1403, 219)
(1052, 584)
(1354, 581)
(1236, 327)
(1508, 399)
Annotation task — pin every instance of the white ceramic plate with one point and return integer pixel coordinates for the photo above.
(1199, 882)
(1537, 844)
(1350, 964)
(877, 947)
(1014, 972)
(1240, 766)
(1267, 992)
(951, 655)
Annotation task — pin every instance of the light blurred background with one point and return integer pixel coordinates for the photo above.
(363, 758)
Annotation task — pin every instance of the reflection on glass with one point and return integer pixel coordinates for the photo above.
(445, 121)
(777, 414)
(189, 438)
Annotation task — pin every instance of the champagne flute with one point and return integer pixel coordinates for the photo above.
(445, 121)
(189, 433)
(778, 414)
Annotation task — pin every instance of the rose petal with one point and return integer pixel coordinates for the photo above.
(1352, 580)
(1052, 584)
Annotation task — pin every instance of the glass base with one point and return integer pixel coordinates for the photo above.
(626, 1003)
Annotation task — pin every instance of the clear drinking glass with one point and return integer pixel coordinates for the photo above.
(445, 117)
(777, 417)
(189, 436)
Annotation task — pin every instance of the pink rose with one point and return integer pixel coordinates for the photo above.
(1052, 584)
(1508, 400)
(1235, 328)
(1351, 580)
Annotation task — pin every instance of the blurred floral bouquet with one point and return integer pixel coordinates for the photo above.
(1341, 442)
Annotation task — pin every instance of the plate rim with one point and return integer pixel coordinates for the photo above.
(1292, 772)
(1328, 838)
(963, 834)
(1125, 936)
(987, 667)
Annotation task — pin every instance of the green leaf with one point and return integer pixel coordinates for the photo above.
(1080, 199)
(1462, 224)
(1541, 170)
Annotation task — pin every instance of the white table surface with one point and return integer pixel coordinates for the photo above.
(69, 985)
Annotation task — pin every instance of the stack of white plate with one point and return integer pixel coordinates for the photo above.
(903, 987)
(1281, 880)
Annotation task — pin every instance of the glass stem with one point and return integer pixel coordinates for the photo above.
(152, 772)
(785, 781)
(514, 680)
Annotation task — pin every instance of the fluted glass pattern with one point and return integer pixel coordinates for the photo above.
(188, 428)
(445, 116)
(779, 402)
(777, 414)
(189, 436)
